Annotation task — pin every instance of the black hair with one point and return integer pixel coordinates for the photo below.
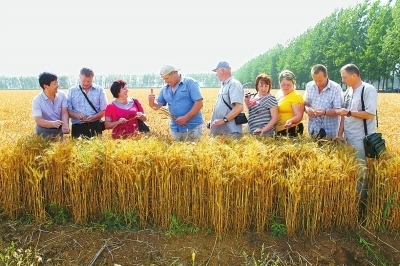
(46, 78)
(116, 87)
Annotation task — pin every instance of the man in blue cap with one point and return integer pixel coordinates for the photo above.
(229, 103)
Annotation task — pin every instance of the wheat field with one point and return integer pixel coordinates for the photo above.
(224, 184)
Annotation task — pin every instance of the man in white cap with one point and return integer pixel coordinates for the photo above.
(184, 99)
(229, 103)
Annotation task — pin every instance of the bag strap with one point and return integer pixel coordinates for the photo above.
(134, 102)
(90, 103)
(363, 109)
(230, 108)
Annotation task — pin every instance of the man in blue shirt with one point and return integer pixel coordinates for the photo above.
(85, 118)
(184, 99)
(49, 108)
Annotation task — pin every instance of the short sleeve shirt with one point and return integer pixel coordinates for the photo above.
(114, 111)
(78, 103)
(181, 101)
(354, 127)
(331, 97)
(232, 92)
(285, 108)
(260, 114)
(46, 108)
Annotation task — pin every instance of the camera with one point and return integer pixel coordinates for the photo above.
(321, 134)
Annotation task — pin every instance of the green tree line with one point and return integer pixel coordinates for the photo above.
(206, 80)
(367, 35)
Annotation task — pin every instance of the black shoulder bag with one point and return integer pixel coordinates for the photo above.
(143, 127)
(102, 127)
(241, 118)
(374, 145)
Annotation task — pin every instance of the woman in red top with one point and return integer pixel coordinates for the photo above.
(123, 113)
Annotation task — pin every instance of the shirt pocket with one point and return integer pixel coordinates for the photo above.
(356, 105)
(347, 102)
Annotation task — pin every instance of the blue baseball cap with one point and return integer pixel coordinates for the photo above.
(222, 64)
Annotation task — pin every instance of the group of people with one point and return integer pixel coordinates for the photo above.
(330, 112)
(86, 104)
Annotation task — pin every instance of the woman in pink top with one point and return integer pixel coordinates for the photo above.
(123, 113)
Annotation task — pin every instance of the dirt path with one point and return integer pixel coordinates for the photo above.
(72, 245)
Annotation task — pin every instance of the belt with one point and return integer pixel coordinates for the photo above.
(86, 124)
(50, 128)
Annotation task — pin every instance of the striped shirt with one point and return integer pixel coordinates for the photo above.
(260, 114)
(331, 97)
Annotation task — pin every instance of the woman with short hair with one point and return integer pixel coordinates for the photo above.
(122, 114)
(290, 105)
(263, 107)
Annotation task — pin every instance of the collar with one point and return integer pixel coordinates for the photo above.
(361, 85)
(227, 81)
(177, 84)
(46, 97)
(326, 87)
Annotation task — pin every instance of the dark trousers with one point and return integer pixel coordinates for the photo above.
(86, 129)
(292, 131)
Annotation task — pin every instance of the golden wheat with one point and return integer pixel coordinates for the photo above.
(220, 183)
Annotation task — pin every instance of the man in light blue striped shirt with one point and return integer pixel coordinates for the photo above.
(322, 97)
(85, 119)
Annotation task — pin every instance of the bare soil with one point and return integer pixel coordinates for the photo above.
(74, 245)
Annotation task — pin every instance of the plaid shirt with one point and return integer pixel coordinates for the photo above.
(331, 97)
(78, 103)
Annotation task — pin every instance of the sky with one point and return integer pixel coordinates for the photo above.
(139, 37)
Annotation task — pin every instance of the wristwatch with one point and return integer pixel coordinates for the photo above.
(225, 119)
(349, 113)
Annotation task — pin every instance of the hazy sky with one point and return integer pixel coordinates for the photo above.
(137, 37)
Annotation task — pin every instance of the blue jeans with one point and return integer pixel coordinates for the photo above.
(49, 132)
(190, 135)
(362, 182)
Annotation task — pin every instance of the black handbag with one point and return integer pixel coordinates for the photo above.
(102, 126)
(143, 127)
(374, 144)
(240, 118)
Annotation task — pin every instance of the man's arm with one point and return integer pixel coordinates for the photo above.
(357, 114)
(152, 101)
(236, 110)
(47, 123)
(182, 120)
(65, 120)
(341, 128)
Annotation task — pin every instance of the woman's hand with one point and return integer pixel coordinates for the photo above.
(122, 120)
(258, 131)
(140, 115)
(288, 123)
